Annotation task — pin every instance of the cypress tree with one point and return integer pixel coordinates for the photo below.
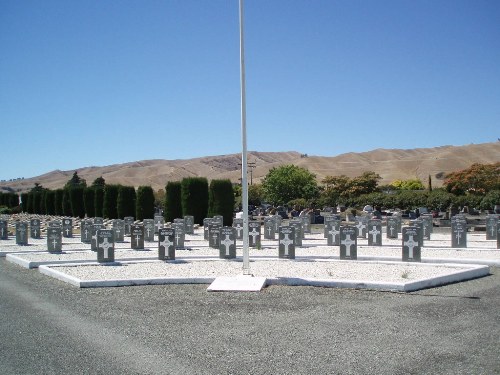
(221, 200)
(173, 202)
(194, 195)
(66, 203)
(98, 201)
(59, 202)
(88, 201)
(24, 199)
(145, 203)
(76, 201)
(110, 209)
(50, 200)
(126, 201)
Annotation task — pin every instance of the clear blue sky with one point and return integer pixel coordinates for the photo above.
(97, 82)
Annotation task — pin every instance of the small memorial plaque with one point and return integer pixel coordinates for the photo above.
(214, 235)
(392, 227)
(227, 249)
(22, 233)
(35, 228)
(374, 232)
(297, 226)
(55, 223)
(254, 234)
(286, 244)
(411, 244)
(54, 240)
(361, 223)
(67, 227)
(491, 227)
(166, 244)
(4, 230)
(95, 228)
(349, 242)
(333, 232)
(238, 225)
(119, 230)
(458, 233)
(189, 224)
(137, 236)
(269, 228)
(159, 223)
(105, 246)
(129, 220)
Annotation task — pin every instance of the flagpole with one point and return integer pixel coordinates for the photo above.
(244, 182)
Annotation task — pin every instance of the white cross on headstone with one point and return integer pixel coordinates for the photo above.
(137, 238)
(361, 225)
(226, 242)
(35, 232)
(374, 232)
(94, 237)
(458, 236)
(348, 242)
(106, 246)
(67, 231)
(158, 225)
(254, 234)
(148, 230)
(286, 242)
(2, 231)
(333, 232)
(86, 233)
(54, 242)
(177, 239)
(239, 228)
(411, 245)
(166, 243)
(492, 230)
(215, 236)
(392, 230)
(269, 230)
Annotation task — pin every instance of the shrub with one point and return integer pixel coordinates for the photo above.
(145, 203)
(194, 196)
(126, 201)
(110, 204)
(221, 200)
(173, 200)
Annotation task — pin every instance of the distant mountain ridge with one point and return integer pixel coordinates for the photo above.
(390, 164)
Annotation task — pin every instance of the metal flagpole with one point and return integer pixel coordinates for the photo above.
(244, 182)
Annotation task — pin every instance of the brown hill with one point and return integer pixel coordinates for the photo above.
(391, 164)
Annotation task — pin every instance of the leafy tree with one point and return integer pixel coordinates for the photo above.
(439, 199)
(126, 201)
(194, 196)
(491, 199)
(221, 200)
(285, 183)
(411, 184)
(173, 201)
(145, 203)
(75, 181)
(478, 179)
(255, 194)
(110, 206)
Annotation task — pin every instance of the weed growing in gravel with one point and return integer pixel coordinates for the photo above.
(405, 274)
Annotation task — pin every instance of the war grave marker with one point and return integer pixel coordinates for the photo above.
(95, 228)
(105, 246)
(86, 231)
(54, 240)
(326, 220)
(129, 220)
(420, 225)
(118, 226)
(254, 234)
(238, 225)
(427, 226)
(333, 232)
(297, 226)
(67, 228)
(137, 236)
(22, 233)
(374, 232)
(349, 242)
(180, 234)
(35, 231)
(149, 230)
(412, 244)
(361, 222)
(458, 232)
(214, 234)
(286, 242)
(491, 227)
(206, 224)
(4, 230)
(399, 221)
(166, 244)
(98, 220)
(269, 228)
(159, 223)
(306, 223)
(227, 248)
(189, 224)
(392, 227)
(55, 223)
(277, 222)
(219, 219)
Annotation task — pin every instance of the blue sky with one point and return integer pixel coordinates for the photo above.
(95, 82)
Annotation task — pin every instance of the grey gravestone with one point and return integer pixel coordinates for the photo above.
(412, 244)
(54, 240)
(149, 230)
(306, 223)
(458, 233)
(35, 228)
(179, 221)
(166, 244)
(277, 222)
(491, 227)
(119, 230)
(67, 227)
(180, 235)
(98, 220)
(254, 234)
(348, 242)
(22, 233)
(326, 220)
(333, 232)
(374, 232)
(55, 223)
(269, 228)
(95, 228)
(129, 220)
(297, 226)
(286, 238)
(399, 221)
(392, 227)
(137, 236)
(361, 223)
(206, 223)
(4, 230)
(238, 225)
(189, 224)
(219, 219)
(214, 235)
(105, 246)
(427, 226)
(159, 223)
(86, 231)
(420, 225)
(227, 249)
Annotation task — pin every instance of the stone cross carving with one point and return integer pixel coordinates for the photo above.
(361, 225)
(286, 242)
(106, 246)
(166, 243)
(411, 245)
(334, 232)
(458, 236)
(177, 239)
(392, 230)
(137, 238)
(158, 225)
(348, 242)
(254, 234)
(54, 243)
(374, 232)
(67, 231)
(239, 228)
(269, 230)
(226, 242)
(86, 233)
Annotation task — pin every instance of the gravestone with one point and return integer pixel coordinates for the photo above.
(67, 227)
(333, 232)
(297, 226)
(55, 223)
(227, 248)
(458, 232)
(22, 233)
(219, 219)
(238, 226)
(392, 227)
(286, 242)
(412, 244)
(326, 220)
(399, 221)
(166, 244)
(105, 246)
(427, 226)
(129, 220)
(420, 225)
(254, 234)
(361, 222)
(491, 227)
(189, 224)
(349, 242)
(86, 231)
(98, 220)
(277, 222)
(35, 228)
(374, 232)
(214, 234)
(95, 228)
(4, 230)
(159, 223)
(306, 223)
(54, 240)
(149, 230)
(180, 235)
(269, 228)
(119, 230)
(206, 224)
(137, 236)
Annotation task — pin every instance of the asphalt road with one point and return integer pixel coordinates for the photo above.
(49, 327)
